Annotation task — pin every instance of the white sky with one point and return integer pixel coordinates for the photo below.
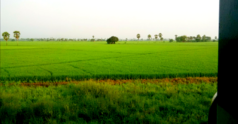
(106, 18)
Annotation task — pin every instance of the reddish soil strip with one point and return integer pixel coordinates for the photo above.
(187, 80)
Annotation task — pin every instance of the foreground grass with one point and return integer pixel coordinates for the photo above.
(133, 101)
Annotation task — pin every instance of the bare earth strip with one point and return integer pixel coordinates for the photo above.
(173, 81)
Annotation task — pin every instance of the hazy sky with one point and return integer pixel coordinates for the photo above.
(105, 18)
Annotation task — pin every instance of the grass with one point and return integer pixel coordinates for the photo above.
(126, 88)
(166, 101)
(98, 60)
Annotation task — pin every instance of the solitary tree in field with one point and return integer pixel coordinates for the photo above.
(176, 37)
(160, 35)
(112, 40)
(17, 35)
(149, 36)
(156, 36)
(138, 36)
(6, 36)
(215, 37)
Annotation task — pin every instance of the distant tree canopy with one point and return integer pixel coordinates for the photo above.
(198, 38)
(206, 38)
(160, 35)
(181, 38)
(100, 40)
(93, 39)
(5, 36)
(149, 36)
(112, 40)
(156, 36)
(215, 39)
(17, 35)
(138, 36)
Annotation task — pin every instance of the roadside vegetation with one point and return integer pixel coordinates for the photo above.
(165, 101)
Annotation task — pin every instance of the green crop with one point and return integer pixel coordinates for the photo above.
(98, 60)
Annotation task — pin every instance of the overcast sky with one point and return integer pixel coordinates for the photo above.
(105, 18)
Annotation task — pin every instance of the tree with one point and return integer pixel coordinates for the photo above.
(138, 36)
(176, 37)
(160, 35)
(17, 35)
(215, 37)
(190, 38)
(6, 36)
(149, 36)
(198, 38)
(204, 38)
(171, 40)
(183, 38)
(209, 38)
(156, 36)
(93, 39)
(112, 40)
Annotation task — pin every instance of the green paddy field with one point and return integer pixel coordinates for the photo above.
(47, 82)
(98, 60)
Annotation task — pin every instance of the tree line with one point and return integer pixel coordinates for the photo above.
(182, 38)
(198, 38)
(149, 36)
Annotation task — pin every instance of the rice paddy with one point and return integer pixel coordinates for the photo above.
(98, 60)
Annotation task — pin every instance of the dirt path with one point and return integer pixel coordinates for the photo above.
(114, 82)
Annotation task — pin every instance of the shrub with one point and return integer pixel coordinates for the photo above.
(93, 40)
(112, 40)
(171, 40)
